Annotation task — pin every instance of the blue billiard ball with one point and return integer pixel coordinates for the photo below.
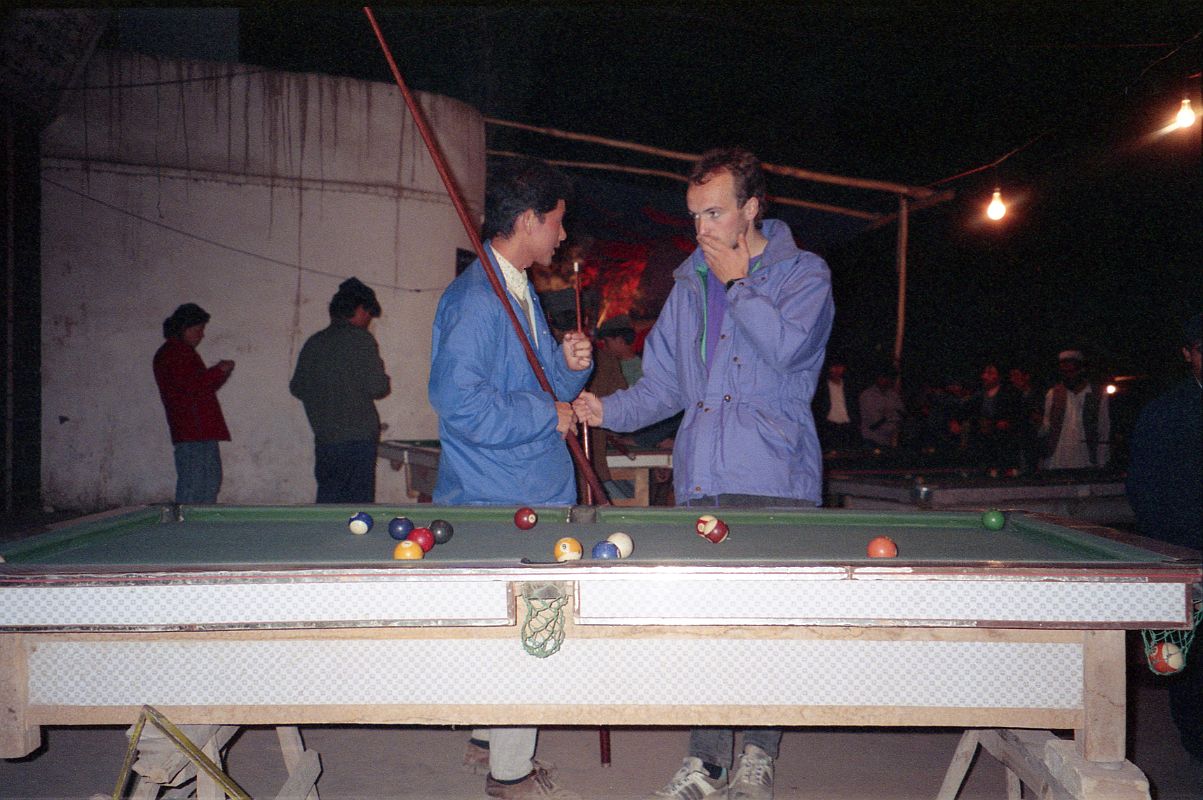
(360, 523)
(399, 527)
(605, 550)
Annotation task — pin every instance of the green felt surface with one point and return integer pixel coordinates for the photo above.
(317, 536)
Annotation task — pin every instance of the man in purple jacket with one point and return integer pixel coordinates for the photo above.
(739, 348)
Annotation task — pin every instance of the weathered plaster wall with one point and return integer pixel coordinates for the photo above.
(254, 194)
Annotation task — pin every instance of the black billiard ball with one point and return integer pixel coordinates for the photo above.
(442, 531)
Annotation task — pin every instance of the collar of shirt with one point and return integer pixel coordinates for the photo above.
(515, 279)
(518, 285)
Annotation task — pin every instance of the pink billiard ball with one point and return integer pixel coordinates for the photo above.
(525, 518)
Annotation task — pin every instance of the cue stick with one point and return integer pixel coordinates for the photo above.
(576, 275)
(461, 208)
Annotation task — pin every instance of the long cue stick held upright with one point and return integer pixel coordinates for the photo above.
(576, 280)
(461, 208)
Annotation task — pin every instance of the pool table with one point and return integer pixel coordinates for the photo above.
(1091, 495)
(280, 616)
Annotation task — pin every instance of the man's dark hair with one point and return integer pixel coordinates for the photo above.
(519, 184)
(353, 293)
(744, 168)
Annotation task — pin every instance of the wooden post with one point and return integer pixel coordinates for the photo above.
(1102, 736)
(17, 737)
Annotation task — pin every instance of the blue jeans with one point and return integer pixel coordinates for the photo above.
(345, 472)
(715, 745)
(197, 472)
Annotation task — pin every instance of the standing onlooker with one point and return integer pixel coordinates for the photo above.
(502, 434)
(339, 377)
(881, 410)
(189, 393)
(738, 348)
(1165, 487)
(618, 366)
(1031, 414)
(835, 412)
(1076, 429)
(992, 416)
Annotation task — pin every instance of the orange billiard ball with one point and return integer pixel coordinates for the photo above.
(882, 547)
(1166, 658)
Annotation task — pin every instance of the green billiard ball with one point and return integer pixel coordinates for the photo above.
(994, 520)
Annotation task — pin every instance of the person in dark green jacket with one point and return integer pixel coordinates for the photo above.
(338, 378)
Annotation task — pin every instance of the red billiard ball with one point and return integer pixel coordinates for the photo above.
(423, 537)
(525, 518)
(882, 547)
(713, 529)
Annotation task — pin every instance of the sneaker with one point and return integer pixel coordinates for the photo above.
(690, 783)
(536, 785)
(753, 777)
(476, 761)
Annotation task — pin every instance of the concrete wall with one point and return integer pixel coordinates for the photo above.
(254, 194)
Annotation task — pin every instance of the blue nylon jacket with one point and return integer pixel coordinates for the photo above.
(497, 426)
(747, 427)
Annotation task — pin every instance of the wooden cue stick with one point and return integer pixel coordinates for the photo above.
(576, 279)
(461, 208)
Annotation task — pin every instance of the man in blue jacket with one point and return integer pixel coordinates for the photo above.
(739, 347)
(502, 435)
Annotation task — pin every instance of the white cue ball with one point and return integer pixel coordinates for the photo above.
(623, 542)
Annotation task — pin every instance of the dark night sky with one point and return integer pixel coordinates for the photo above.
(1101, 248)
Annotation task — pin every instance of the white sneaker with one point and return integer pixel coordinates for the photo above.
(690, 783)
(753, 776)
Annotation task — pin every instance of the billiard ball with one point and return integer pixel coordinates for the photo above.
(704, 522)
(442, 531)
(623, 542)
(423, 537)
(713, 529)
(994, 520)
(882, 547)
(525, 518)
(408, 550)
(360, 523)
(399, 527)
(605, 549)
(567, 549)
(1166, 658)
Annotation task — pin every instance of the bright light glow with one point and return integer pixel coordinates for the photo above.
(997, 208)
(1111, 388)
(1186, 114)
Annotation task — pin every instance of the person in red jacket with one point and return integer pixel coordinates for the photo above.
(189, 392)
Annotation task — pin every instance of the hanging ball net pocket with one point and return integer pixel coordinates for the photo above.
(543, 622)
(1165, 651)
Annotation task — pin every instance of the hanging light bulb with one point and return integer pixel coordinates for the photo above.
(1186, 114)
(997, 208)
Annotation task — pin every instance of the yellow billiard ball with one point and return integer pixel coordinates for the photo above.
(407, 550)
(567, 549)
